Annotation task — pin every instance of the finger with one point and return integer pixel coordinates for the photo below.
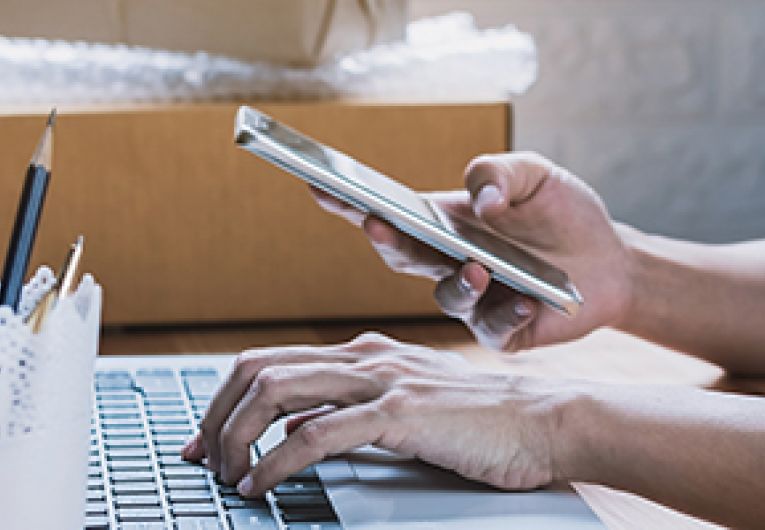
(246, 367)
(297, 420)
(284, 389)
(496, 181)
(194, 450)
(337, 207)
(403, 253)
(457, 294)
(500, 316)
(316, 439)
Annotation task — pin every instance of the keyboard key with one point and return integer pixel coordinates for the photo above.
(96, 496)
(231, 503)
(167, 439)
(182, 421)
(160, 403)
(115, 396)
(187, 484)
(120, 425)
(119, 416)
(96, 509)
(137, 501)
(134, 488)
(117, 406)
(131, 466)
(314, 515)
(95, 484)
(289, 488)
(194, 510)
(140, 515)
(201, 386)
(133, 434)
(288, 502)
(251, 519)
(187, 496)
(173, 460)
(167, 431)
(198, 523)
(162, 412)
(143, 526)
(315, 526)
(132, 476)
(129, 443)
(121, 453)
(187, 472)
(116, 380)
(96, 523)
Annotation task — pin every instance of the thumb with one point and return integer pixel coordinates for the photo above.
(501, 184)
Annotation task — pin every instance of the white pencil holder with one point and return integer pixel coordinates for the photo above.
(45, 408)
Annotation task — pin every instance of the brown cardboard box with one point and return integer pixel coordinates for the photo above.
(182, 226)
(299, 32)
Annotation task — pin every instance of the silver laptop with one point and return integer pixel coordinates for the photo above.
(145, 408)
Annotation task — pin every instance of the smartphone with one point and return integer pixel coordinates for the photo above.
(461, 237)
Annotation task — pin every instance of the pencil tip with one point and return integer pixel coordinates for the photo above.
(52, 117)
(80, 240)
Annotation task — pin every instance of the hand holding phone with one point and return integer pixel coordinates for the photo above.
(542, 208)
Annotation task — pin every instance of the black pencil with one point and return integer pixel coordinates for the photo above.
(27, 219)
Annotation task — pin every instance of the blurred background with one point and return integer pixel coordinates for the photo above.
(658, 104)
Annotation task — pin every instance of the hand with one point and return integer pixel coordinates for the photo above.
(497, 429)
(546, 209)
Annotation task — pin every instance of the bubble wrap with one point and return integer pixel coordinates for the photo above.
(45, 407)
(442, 58)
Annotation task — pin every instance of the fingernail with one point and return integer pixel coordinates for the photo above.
(488, 195)
(522, 309)
(245, 486)
(466, 286)
(190, 447)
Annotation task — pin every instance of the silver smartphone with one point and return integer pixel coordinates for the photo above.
(462, 238)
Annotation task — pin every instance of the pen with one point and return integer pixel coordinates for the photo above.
(61, 288)
(27, 219)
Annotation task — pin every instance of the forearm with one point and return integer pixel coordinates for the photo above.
(701, 299)
(699, 452)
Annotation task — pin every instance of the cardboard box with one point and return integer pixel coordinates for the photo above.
(182, 226)
(297, 32)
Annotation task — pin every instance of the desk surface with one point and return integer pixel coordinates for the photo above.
(604, 356)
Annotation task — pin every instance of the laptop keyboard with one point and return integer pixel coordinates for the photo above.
(137, 479)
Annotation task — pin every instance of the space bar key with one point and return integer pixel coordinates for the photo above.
(251, 519)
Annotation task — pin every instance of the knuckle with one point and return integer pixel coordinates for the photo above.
(371, 341)
(228, 437)
(268, 382)
(313, 433)
(394, 403)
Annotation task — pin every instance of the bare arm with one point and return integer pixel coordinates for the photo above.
(699, 452)
(706, 300)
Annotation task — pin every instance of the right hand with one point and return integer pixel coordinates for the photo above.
(545, 208)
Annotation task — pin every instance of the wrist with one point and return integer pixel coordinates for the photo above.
(574, 454)
(636, 245)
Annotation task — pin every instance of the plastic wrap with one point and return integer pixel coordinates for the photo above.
(442, 58)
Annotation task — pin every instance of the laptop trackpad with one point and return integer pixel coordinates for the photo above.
(371, 488)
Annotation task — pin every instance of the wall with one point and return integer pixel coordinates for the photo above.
(659, 104)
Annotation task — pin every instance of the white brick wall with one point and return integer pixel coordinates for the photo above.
(659, 104)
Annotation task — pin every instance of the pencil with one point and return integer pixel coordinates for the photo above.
(60, 289)
(27, 219)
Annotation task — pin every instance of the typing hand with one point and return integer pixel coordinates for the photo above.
(433, 405)
(532, 201)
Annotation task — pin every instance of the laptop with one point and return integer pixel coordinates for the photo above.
(145, 408)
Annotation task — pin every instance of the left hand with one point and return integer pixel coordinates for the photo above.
(494, 428)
